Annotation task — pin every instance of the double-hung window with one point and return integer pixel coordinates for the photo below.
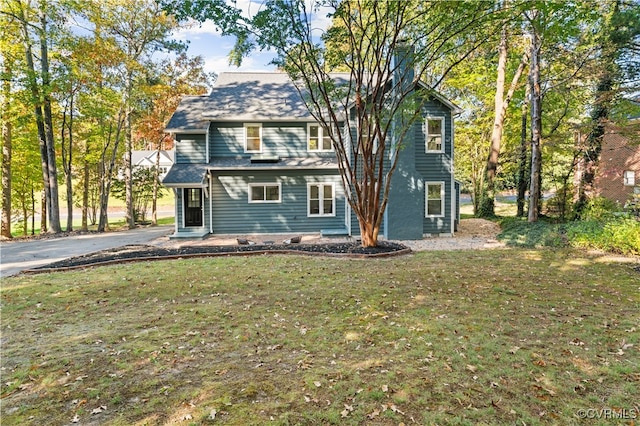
(252, 138)
(434, 133)
(321, 199)
(434, 206)
(265, 193)
(629, 178)
(318, 138)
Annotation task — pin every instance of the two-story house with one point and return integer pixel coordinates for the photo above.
(250, 159)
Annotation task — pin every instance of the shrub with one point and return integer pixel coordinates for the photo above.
(619, 235)
(600, 209)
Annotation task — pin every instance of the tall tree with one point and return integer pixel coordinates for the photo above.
(36, 27)
(6, 147)
(139, 28)
(501, 104)
(618, 43)
(380, 91)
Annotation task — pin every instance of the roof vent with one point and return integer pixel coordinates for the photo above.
(257, 159)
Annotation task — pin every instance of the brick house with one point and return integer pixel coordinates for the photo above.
(618, 174)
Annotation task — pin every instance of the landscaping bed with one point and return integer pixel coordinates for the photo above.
(147, 252)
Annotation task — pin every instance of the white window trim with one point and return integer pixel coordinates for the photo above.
(426, 199)
(259, 125)
(426, 134)
(321, 195)
(629, 181)
(252, 185)
(321, 131)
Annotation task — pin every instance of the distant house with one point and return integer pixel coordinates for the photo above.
(618, 175)
(147, 159)
(249, 158)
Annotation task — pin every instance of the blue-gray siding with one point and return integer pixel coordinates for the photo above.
(285, 140)
(436, 167)
(190, 149)
(232, 213)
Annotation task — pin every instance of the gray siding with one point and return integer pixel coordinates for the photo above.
(190, 149)
(436, 167)
(233, 214)
(285, 140)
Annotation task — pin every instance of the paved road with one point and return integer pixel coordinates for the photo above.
(20, 255)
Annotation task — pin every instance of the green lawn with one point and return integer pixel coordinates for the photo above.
(514, 336)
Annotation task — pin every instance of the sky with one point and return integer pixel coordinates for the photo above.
(206, 41)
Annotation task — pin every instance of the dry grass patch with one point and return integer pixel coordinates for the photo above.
(504, 336)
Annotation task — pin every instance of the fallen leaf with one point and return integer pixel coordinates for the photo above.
(99, 410)
(75, 419)
(385, 388)
(212, 414)
(472, 368)
(318, 384)
(514, 349)
(373, 414)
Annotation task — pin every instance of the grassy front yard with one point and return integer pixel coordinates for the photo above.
(489, 337)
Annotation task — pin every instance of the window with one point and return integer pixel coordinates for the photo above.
(435, 199)
(264, 193)
(318, 138)
(434, 134)
(252, 138)
(629, 178)
(322, 199)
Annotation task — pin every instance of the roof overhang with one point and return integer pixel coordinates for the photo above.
(186, 176)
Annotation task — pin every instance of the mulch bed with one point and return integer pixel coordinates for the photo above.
(132, 253)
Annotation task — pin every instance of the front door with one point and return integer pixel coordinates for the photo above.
(192, 207)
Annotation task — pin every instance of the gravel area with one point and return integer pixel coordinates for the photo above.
(472, 234)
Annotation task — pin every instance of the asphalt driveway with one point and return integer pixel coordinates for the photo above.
(20, 255)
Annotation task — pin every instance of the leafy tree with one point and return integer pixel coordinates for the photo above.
(379, 91)
(618, 45)
(38, 25)
(145, 188)
(182, 76)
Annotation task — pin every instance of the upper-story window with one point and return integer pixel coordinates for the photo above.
(318, 138)
(252, 138)
(629, 178)
(434, 132)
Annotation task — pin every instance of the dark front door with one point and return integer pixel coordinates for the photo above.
(193, 207)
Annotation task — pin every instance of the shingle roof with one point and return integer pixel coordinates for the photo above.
(329, 163)
(241, 97)
(186, 175)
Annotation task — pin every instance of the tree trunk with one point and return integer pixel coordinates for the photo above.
(156, 182)
(67, 157)
(501, 103)
(536, 127)
(522, 161)
(368, 234)
(107, 174)
(610, 52)
(6, 153)
(54, 208)
(43, 212)
(488, 207)
(85, 187)
(128, 166)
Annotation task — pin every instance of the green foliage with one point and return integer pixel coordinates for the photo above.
(618, 234)
(142, 182)
(600, 209)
